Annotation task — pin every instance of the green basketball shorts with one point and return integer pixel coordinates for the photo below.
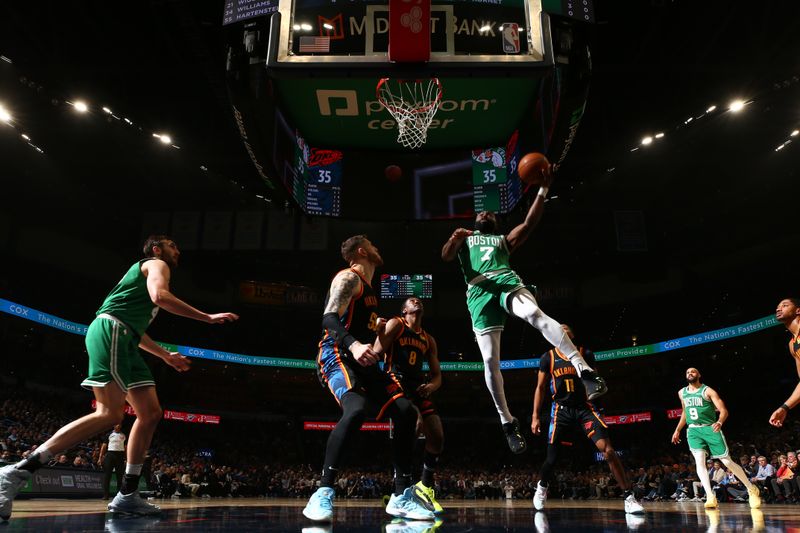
(114, 356)
(704, 438)
(486, 300)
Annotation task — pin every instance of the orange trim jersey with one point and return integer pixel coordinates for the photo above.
(566, 387)
(794, 346)
(359, 318)
(407, 353)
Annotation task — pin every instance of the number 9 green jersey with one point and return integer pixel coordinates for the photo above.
(699, 410)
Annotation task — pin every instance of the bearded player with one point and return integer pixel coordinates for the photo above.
(494, 291)
(788, 314)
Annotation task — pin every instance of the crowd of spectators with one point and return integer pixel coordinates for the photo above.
(177, 468)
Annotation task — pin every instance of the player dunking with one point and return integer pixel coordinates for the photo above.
(346, 365)
(572, 410)
(407, 346)
(494, 290)
(788, 314)
(704, 435)
(117, 373)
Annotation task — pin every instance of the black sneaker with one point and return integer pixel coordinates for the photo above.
(595, 385)
(515, 439)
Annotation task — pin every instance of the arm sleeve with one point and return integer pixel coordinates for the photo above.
(333, 325)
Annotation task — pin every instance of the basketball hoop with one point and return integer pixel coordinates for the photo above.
(412, 103)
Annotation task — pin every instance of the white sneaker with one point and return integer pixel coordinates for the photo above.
(12, 480)
(132, 504)
(540, 497)
(632, 506)
(407, 505)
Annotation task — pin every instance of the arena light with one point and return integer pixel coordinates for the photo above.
(736, 106)
(106, 110)
(25, 137)
(6, 59)
(163, 137)
(710, 109)
(647, 140)
(296, 27)
(305, 26)
(688, 120)
(484, 29)
(659, 135)
(794, 133)
(5, 116)
(80, 106)
(327, 26)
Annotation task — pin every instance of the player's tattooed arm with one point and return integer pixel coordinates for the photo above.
(451, 246)
(344, 286)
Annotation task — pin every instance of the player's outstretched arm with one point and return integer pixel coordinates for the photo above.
(158, 275)
(520, 233)
(676, 436)
(388, 331)
(173, 359)
(720, 405)
(435, 371)
(779, 415)
(344, 287)
(538, 399)
(451, 246)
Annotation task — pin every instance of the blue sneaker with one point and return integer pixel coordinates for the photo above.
(12, 480)
(407, 505)
(320, 505)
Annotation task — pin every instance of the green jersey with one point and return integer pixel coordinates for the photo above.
(483, 255)
(699, 410)
(130, 302)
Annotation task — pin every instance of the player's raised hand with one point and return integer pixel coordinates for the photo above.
(425, 390)
(221, 318)
(536, 426)
(676, 438)
(778, 417)
(177, 361)
(461, 233)
(363, 354)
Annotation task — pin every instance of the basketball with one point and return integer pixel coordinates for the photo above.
(531, 167)
(393, 173)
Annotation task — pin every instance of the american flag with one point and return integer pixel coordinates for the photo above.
(315, 44)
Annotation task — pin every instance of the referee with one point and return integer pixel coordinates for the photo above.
(112, 457)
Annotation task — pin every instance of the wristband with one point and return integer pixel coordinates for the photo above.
(347, 341)
(784, 407)
(543, 192)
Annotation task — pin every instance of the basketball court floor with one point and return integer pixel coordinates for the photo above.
(284, 515)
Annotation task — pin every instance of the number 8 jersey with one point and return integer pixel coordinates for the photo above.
(407, 354)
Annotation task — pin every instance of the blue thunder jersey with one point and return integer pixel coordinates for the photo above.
(407, 353)
(566, 388)
(359, 318)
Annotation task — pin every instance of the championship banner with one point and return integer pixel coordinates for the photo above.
(328, 426)
(689, 341)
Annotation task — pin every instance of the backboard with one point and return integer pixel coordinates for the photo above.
(330, 32)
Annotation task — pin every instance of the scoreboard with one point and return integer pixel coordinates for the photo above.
(407, 285)
(495, 179)
(317, 186)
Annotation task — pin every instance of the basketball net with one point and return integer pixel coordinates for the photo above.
(413, 104)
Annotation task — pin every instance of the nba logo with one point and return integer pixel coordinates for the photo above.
(511, 37)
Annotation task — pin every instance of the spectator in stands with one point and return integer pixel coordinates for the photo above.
(782, 482)
(764, 473)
